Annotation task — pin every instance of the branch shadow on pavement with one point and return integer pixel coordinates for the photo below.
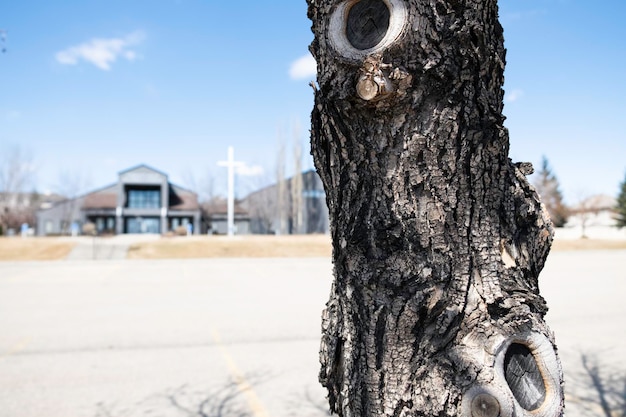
(598, 389)
(225, 401)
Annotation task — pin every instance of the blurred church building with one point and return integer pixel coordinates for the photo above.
(141, 201)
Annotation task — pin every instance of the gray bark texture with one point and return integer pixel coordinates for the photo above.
(438, 238)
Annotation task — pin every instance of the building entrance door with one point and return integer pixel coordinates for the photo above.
(143, 225)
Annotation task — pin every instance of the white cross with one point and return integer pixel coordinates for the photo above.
(231, 165)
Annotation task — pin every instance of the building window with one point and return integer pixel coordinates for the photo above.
(143, 225)
(144, 199)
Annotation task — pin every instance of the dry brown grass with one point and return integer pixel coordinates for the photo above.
(588, 244)
(34, 249)
(236, 247)
(41, 249)
(284, 246)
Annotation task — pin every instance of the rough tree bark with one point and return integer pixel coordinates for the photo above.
(438, 239)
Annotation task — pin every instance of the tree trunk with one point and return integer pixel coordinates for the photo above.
(438, 239)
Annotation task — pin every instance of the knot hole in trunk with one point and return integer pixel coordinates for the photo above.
(367, 23)
(524, 377)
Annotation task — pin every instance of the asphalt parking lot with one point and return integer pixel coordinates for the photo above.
(164, 338)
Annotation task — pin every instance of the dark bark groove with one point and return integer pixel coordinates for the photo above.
(438, 239)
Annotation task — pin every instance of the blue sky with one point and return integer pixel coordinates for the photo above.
(91, 88)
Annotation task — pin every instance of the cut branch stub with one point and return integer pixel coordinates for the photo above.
(485, 405)
(373, 83)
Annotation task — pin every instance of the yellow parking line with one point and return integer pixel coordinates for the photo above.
(17, 277)
(16, 348)
(254, 402)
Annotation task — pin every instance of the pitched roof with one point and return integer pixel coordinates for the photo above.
(181, 199)
(100, 201)
(220, 206)
(144, 166)
(102, 198)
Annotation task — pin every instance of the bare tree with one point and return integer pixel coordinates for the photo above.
(584, 211)
(295, 185)
(16, 177)
(204, 186)
(261, 206)
(281, 197)
(210, 201)
(71, 183)
(587, 209)
(621, 206)
(277, 203)
(438, 238)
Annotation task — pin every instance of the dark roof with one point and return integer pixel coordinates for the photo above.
(102, 198)
(100, 201)
(181, 199)
(221, 207)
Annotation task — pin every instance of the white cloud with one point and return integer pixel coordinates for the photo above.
(514, 96)
(249, 171)
(102, 52)
(130, 55)
(303, 67)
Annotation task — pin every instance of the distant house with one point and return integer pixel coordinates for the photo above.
(18, 209)
(296, 206)
(141, 201)
(594, 211)
(593, 217)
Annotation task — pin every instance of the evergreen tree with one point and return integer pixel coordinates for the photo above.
(547, 186)
(621, 206)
